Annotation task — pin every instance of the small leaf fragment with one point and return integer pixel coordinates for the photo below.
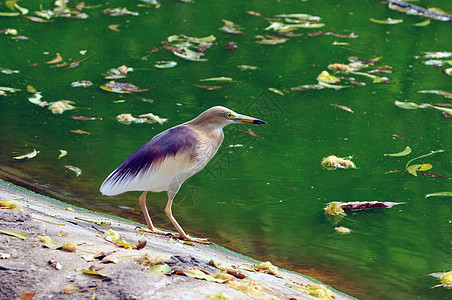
(406, 151)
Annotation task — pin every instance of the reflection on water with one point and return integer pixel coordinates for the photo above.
(262, 196)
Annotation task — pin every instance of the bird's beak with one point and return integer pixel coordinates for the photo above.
(248, 120)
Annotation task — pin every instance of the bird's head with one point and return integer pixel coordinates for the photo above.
(221, 116)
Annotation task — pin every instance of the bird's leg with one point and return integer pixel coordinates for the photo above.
(148, 218)
(168, 210)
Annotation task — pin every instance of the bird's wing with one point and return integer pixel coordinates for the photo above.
(154, 165)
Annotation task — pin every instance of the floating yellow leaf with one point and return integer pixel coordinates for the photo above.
(31, 89)
(326, 77)
(56, 60)
(335, 208)
(276, 91)
(62, 153)
(425, 167)
(403, 153)
(28, 155)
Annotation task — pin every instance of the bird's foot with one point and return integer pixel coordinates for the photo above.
(158, 231)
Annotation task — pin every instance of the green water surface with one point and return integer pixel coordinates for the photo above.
(265, 198)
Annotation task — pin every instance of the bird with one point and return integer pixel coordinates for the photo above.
(166, 161)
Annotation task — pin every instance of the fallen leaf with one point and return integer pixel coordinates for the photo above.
(423, 23)
(114, 27)
(199, 274)
(61, 106)
(276, 91)
(28, 155)
(95, 273)
(247, 286)
(21, 235)
(267, 267)
(333, 162)
(334, 209)
(81, 83)
(220, 296)
(159, 270)
(28, 295)
(70, 246)
(82, 118)
(47, 242)
(37, 19)
(439, 194)
(122, 87)
(221, 79)
(387, 21)
(315, 290)
(79, 131)
(343, 230)
(208, 87)
(362, 205)
(111, 235)
(74, 169)
(343, 107)
(10, 204)
(56, 60)
(165, 64)
(230, 27)
(406, 151)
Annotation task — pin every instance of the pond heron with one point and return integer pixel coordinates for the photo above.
(170, 158)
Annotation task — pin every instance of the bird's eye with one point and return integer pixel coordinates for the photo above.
(228, 115)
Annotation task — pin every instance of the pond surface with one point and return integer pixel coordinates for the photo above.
(264, 198)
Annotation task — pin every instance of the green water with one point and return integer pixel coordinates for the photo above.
(264, 199)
